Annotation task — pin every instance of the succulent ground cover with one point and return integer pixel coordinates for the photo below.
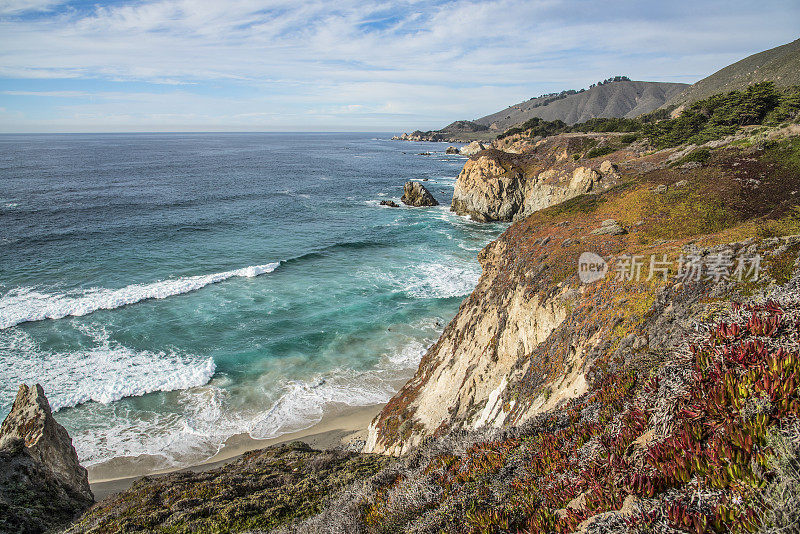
(685, 444)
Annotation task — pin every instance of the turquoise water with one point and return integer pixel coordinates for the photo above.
(172, 290)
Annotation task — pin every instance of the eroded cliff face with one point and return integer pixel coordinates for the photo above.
(463, 377)
(521, 175)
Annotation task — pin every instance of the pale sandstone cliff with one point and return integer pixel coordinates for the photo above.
(467, 370)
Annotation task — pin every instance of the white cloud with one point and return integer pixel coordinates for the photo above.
(434, 62)
(16, 7)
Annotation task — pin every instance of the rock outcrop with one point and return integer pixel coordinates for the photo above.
(415, 194)
(451, 150)
(389, 203)
(472, 148)
(488, 189)
(503, 185)
(42, 483)
(609, 227)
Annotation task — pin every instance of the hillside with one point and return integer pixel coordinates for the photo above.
(617, 99)
(780, 65)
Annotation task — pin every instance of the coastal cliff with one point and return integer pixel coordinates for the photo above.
(526, 338)
(556, 402)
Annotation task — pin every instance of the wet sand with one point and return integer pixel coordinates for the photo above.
(339, 428)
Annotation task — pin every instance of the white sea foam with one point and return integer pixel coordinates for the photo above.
(438, 279)
(303, 403)
(105, 372)
(206, 414)
(407, 356)
(27, 304)
(206, 418)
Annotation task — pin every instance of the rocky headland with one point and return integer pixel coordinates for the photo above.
(615, 97)
(524, 177)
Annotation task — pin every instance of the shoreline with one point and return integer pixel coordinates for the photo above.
(339, 428)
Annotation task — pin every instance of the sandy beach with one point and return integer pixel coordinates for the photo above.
(338, 428)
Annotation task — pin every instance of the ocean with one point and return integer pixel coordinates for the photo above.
(172, 290)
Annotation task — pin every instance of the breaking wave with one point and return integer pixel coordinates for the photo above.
(26, 304)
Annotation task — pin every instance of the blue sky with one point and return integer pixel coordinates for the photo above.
(348, 65)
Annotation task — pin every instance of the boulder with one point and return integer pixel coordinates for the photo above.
(608, 168)
(486, 191)
(451, 150)
(609, 227)
(609, 171)
(42, 484)
(390, 203)
(660, 189)
(583, 179)
(415, 194)
(31, 421)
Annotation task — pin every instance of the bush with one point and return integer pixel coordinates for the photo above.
(613, 124)
(628, 138)
(701, 155)
(600, 151)
(537, 127)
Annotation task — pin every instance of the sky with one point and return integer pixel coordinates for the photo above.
(347, 65)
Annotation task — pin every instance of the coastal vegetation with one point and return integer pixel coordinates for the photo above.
(262, 490)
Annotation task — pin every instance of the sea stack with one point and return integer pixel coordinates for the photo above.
(415, 194)
(42, 484)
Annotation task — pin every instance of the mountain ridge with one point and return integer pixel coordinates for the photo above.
(614, 99)
(618, 99)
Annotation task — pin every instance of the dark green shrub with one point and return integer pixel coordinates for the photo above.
(600, 151)
(628, 138)
(701, 155)
(537, 127)
(614, 124)
(723, 114)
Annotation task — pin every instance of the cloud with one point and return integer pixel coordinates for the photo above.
(434, 60)
(16, 7)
